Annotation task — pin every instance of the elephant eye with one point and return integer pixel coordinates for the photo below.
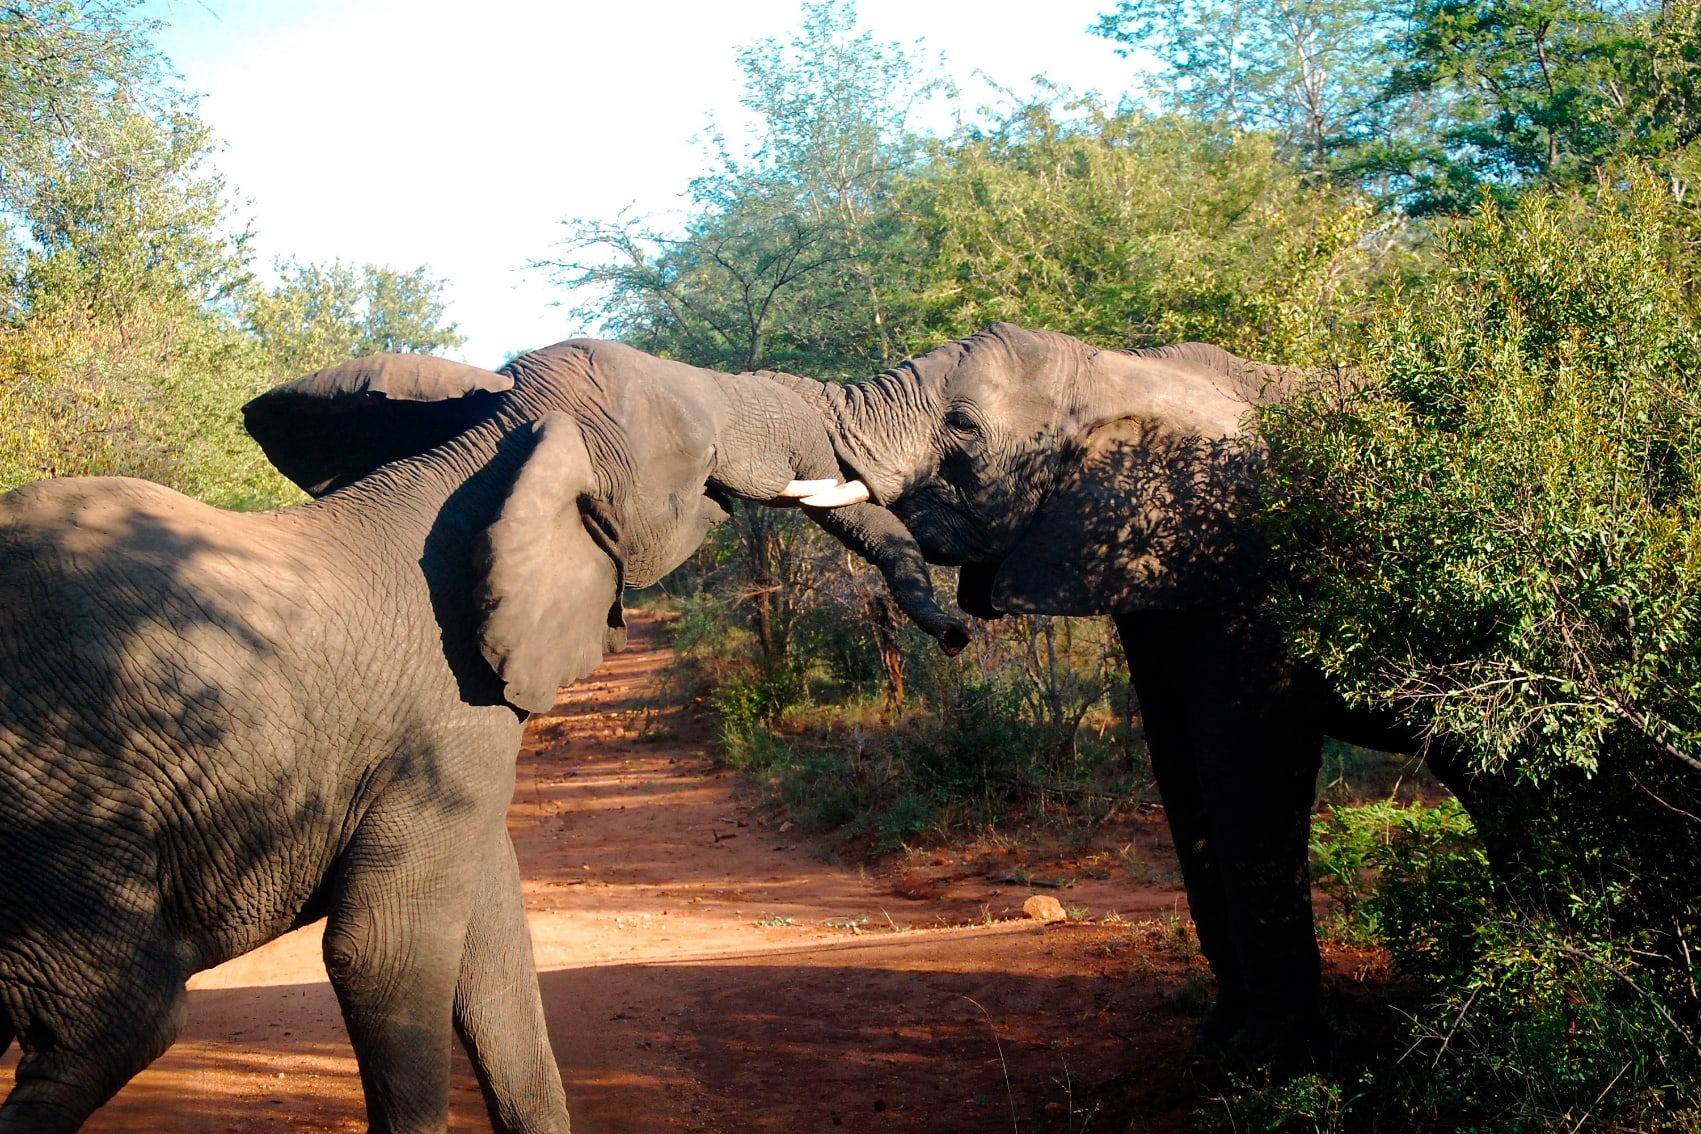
(961, 421)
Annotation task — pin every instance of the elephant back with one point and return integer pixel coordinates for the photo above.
(338, 424)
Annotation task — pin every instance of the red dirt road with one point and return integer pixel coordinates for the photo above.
(706, 972)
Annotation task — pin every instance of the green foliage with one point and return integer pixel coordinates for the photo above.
(1544, 92)
(130, 332)
(70, 75)
(319, 315)
(117, 355)
(1549, 1027)
(1523, 1015)
(1426, 106)
(759, 698)
(772, 234)
(1310, 73)
(1496, 532)
(127, 242)
(1490, 525)
(1039, 715)
(67, 413)
(1127, 229)
(1389, 867)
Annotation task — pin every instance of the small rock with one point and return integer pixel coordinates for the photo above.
(1044, 909)
(786, 826)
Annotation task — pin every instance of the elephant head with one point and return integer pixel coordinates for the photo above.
(1062, 478)
(1065, 479)
(216, 726)
(624, 459)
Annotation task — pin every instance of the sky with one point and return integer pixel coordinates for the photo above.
(460, 135)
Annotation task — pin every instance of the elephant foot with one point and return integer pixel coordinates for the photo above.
(1221, 1024)
(1280, 1046)
(1279, 1049)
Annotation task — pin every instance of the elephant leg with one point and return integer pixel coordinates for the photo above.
(1257, 748)
(79, 1050)
(393, 943)
(498, 1009)
(1149, 641)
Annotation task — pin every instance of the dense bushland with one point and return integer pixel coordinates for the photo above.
(1494, 531)
(1482, 217)
(132, 327)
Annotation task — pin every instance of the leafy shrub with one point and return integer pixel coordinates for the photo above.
(1020, 726)
(760, 697)
(1496, 530)
(1519, 1016)
(1493, 526)
(1390, 868)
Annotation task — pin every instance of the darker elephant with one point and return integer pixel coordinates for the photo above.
(1064, 479)
(215, 727)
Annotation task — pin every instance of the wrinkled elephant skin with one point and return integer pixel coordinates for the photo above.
(1064, 479)
(216, 726)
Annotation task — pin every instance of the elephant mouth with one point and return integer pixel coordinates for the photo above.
(974, 590)
(886, 481)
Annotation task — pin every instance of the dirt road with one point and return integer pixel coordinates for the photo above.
(706, 972)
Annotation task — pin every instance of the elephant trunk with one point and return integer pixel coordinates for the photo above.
(882, 539)
(884, 430)
(768, 438)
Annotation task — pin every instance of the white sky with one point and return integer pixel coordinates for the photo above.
(460, 135)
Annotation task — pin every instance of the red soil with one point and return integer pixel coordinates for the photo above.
(704, 971)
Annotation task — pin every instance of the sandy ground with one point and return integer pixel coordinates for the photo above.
(704, 971)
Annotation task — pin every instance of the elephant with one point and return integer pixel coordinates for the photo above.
(216, 727)
(1065, 479)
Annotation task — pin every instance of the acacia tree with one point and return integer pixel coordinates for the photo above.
(1127, 228)
(1427, 106)
(105, 179)
(63, 66)
(118, 243)
(124, 332)
(1307, 71)
(1538, 92)
(778, 260)
(320, 314)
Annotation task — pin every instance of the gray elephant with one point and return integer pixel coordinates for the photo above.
(215, 727)
(1064, 479)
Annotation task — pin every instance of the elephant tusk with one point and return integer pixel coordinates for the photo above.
(799, 488)
(851, 492)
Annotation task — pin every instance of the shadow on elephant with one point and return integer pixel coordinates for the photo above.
(1064, 479)
(216, 726)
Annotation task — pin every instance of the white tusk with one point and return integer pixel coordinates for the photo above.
(851, 492)
(799, 488)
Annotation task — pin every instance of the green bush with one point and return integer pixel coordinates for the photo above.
(1517, 1016)
(1126, 228)
(969, 755)
(759, 698)
(1521, 1017)
(1392, 869)
(1498, 530)
(1493, 526)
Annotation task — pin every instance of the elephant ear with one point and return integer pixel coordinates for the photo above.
(338, 424)
(552, 571)
(1146, 520)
